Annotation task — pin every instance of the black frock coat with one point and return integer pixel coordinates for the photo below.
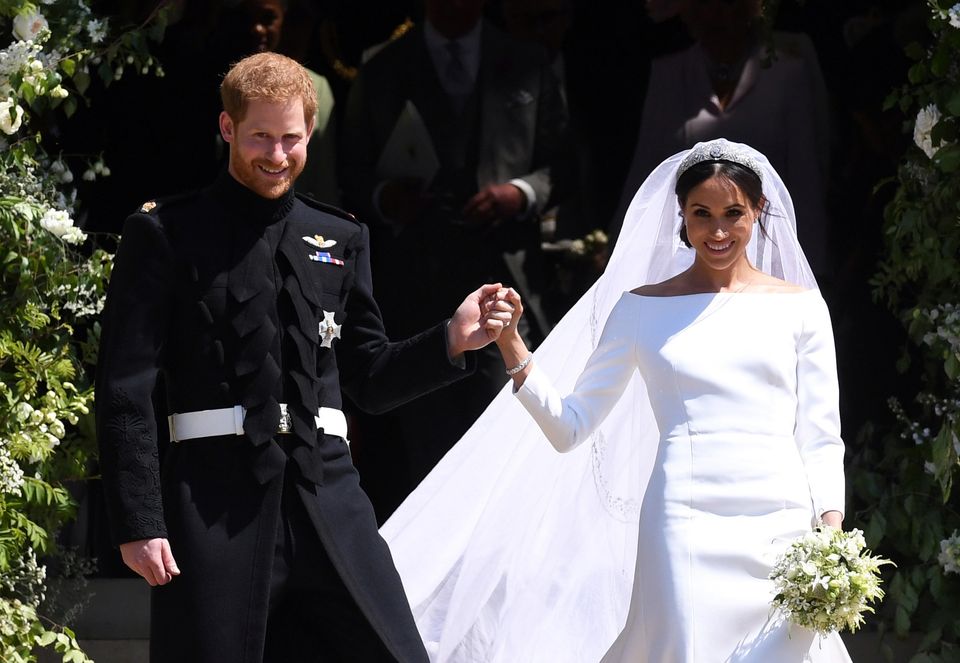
(217, 292)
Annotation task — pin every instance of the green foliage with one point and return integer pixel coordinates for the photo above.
(53, 287)
(22, 631)
(906, 474)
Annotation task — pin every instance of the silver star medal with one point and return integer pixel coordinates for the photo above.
(329, 330)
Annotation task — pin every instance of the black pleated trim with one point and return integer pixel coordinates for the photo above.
(252, 313)
(306, 316)
(300, 299)
(294, 265)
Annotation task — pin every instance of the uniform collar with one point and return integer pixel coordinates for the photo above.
(245, 203)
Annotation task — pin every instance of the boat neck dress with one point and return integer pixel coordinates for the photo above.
(743, 387)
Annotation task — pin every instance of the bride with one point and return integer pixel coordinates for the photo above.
(700, 436)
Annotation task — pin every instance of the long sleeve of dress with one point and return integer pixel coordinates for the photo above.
(818, 412)
(569, 421)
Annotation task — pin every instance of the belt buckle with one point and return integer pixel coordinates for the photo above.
(285, 425)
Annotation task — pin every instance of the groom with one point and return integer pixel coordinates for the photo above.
(255, 307)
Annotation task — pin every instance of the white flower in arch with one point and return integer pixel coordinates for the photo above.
(927, 119)
(29, 25)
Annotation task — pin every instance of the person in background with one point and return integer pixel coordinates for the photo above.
(493, 116)
(722, 86)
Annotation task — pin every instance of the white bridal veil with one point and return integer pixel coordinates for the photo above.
(510, 551)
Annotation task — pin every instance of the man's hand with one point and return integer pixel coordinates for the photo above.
(494, 203)
(152, 559)
(467, 330)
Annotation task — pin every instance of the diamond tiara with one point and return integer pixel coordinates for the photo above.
(720, 150)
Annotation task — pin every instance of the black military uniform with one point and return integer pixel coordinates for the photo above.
(242, 301)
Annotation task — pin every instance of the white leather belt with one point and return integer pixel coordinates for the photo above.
(229, 421)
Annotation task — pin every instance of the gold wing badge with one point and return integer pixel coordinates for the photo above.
(320, 242)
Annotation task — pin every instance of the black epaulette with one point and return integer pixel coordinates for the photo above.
(329, 209)
(156, 204)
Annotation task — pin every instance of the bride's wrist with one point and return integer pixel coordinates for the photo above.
(513, 350)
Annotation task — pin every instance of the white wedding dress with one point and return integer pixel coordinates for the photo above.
(744, 391)
(708, 434)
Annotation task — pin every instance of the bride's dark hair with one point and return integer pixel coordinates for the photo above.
(740, 176)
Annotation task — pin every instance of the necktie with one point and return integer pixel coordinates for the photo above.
(457, 81)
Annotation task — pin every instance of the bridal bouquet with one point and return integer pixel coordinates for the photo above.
(825, 580)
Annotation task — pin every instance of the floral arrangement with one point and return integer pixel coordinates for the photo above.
(53, 289)
(825, 580)
(904, 472)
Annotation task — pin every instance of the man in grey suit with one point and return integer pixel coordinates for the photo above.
(497, 122)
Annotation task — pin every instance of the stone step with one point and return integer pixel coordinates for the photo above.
(115, 628)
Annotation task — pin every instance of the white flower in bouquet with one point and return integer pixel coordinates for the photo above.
(949, 557)
(28, 25)
(11, 117)
(825, 580)
(927, 119)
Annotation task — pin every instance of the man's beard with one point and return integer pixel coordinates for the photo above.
(250, 175)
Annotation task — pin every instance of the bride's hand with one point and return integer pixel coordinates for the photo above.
(502, 312)
(833, 519)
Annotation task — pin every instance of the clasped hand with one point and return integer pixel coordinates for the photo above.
(488, 314)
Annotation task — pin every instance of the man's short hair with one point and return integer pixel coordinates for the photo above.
(269, 77)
